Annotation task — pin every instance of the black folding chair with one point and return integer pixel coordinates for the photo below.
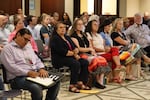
(11, 93)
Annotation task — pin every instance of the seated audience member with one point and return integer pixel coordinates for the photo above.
(32, 21)
(120, 39)
(21, 62)
(4, 33)
(104, 31)
(9, 24)
(56, 16)
(111, 54)
(98, 64)
(45, 31)
(126, 23)
(38, 27)
(85, 13)
(66, 20)
(65, 53)
(140, 33)
(19, 24)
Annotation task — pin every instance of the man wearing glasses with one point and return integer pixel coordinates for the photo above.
(20, 62)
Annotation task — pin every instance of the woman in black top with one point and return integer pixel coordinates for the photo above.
(65, 53)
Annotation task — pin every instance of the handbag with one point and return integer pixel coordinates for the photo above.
(124, 55)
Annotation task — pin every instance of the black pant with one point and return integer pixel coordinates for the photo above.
(78, 68)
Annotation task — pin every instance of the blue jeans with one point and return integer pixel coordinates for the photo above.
(35, 89)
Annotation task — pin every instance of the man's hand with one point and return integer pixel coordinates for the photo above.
(33, 74)
(43, 73)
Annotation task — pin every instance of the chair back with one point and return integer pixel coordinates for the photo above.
(4, 74)
(40, 46)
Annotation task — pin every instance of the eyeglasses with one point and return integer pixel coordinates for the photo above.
(26, 39)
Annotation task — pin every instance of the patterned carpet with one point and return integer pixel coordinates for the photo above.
(133, 90)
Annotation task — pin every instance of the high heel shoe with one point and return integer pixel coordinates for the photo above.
(98, 85)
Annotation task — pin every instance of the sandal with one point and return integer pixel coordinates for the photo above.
(130, 78)
(74, 89)
(117, 80)
(120, 68)
(81, 86)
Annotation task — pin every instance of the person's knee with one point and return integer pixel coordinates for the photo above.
(36, 89)
(84, 62)
(76, 65)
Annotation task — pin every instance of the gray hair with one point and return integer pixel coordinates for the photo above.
(138, 14)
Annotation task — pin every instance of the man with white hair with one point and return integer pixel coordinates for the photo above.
(140, 33)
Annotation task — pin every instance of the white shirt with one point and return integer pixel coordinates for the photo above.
(4, 34)
(38, 28)
(97, 39)
(33, 32)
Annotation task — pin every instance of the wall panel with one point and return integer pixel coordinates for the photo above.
(10, 6)
(51, 6)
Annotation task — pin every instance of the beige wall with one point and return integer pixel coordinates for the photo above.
(110, 8)
(69, 8)
(132, 7)
(129, 7)
(144, 6)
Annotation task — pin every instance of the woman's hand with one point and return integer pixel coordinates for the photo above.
(92, 51)
(107, 49)
(76, 51)
(77, 57)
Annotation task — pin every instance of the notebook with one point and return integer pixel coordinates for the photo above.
(47, 82)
